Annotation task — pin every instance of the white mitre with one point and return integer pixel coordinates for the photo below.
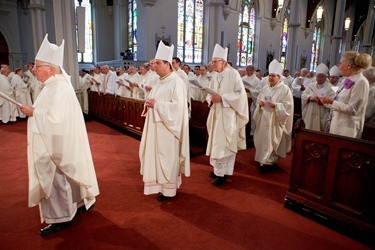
(164, 52)
(322, 69)
(51, 53)
(275, 68)
(334, 71)
(220, 52)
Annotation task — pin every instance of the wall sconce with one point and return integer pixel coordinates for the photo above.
(319, 13)
(347, 23)
(281, 3)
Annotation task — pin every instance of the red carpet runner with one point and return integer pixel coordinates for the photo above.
(245, 213)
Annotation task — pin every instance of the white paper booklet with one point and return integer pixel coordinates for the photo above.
(299, 81)
(266, 98)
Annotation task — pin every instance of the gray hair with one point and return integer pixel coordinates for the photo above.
(369, 73)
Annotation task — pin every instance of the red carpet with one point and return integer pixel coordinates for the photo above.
(245, 213)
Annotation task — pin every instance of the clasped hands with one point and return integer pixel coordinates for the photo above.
(269, 104)
(216, 98)
(150, 102)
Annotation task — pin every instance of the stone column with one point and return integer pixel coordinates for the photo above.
(213, 13)
(120, 26)
(293, 27)
(38, 22)
(368, 29)
(337, 31)
(64, 13)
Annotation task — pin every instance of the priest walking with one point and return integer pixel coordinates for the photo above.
(274, 120)
(228, 116)
(62, 177)
(164, 149)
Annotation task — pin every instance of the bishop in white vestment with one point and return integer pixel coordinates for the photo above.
(61, 171)
(164, 149)
(314, 112)
(228, 116)
(274, 120)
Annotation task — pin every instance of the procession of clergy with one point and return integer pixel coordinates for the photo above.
(271, 125)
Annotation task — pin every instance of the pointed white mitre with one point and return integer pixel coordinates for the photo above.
(275, 68)
(322, 69)
(334, 71)
(164, 52)
(51, 53)
(220, 52)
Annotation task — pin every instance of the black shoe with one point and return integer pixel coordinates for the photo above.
(213, 175)
(219, 181)
(265, 168)
(162, 197)
(53, 228)
(83, 209)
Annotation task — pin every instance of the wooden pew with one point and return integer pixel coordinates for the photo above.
(368, 133)
(118, 112)
(333, 181)
(125, 114)
(197, 125)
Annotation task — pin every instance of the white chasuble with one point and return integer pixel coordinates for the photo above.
(57, 138)
(164, 148)
(226, 120)
(273, 126)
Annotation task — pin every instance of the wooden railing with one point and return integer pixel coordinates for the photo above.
(333, 177)
(125, 114)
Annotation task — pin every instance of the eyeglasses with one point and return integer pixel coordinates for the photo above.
(38, 66)
(216, 61)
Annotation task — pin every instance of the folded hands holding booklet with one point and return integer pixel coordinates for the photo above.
(266, 98)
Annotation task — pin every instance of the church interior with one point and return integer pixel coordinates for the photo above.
(321, 195)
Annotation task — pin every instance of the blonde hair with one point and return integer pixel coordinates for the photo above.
(358, 60)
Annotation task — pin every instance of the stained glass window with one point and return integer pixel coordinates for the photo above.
(284, 42)
(284, 36)
(87, 56)
(246, 30)
(132, 28)
(315, 48)
(190, 30)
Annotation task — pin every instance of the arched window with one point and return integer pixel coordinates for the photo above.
(245, 41)
(284, 42)
(132, 28)
(315, 48)
(87, 56)
(190, 30)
